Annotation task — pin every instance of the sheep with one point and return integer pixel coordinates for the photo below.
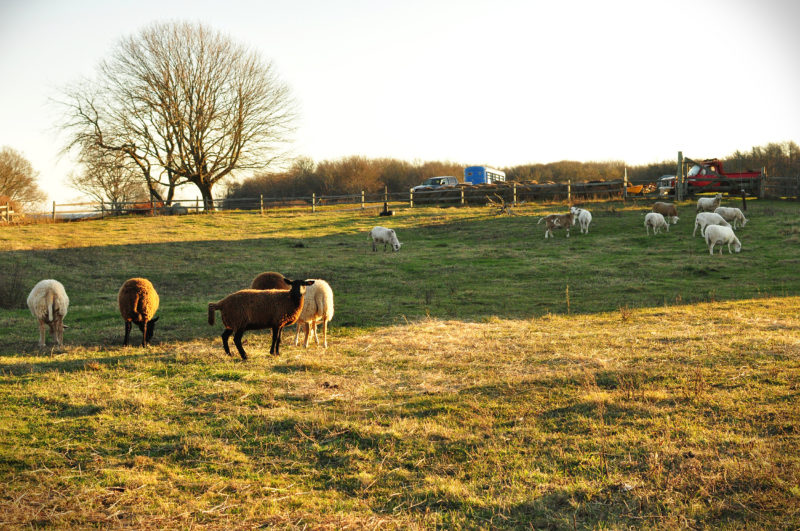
(48, 302)
(708, 204)
(583, 216)
(655, 220)
(384, 236)
(667, 210)
(138, 303)
(557, 221)
(269, 280)
(317, 307)
(704, 219)
(732, 214)
(717, 234)
(252, 309)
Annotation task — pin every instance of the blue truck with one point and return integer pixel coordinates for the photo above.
(483, 175)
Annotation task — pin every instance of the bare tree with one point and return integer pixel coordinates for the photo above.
(185, 104)
(18, 179)
(108, 176)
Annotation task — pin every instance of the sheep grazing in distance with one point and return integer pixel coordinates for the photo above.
(317, 308)
(708, 204)
(719, 235)
(704, 219)
(655, 220)
(732, 215)
(269, 280)
(138, 303)
(48, 302)
(384, 236)
(557, 221)
(253, 309)
(667, 210)
(583, 216)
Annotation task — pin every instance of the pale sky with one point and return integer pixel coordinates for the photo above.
(496, 82)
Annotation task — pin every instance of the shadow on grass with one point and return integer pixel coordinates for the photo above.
(71, 365)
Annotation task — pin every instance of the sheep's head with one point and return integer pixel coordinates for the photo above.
(298, 286)
(151, 327)
(674, 220)
(737, 246)
(396, 246)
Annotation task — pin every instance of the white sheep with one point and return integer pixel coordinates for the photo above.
(716, 234)
(255, 309)
(384, 236)
(732, 215)
(655, 220)
(317, 308)
(708, 204)
(583, 217)
(704, 219)
(48, 302)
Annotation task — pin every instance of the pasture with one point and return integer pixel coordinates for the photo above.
(482, 377)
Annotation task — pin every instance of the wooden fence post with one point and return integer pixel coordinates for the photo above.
(569, 192)
(261, 199)
(513, 187)
(462, 196)
(54, 210)
(102, 210)
(410, 198)
(679, 178)
(362, 199)
(314, 202)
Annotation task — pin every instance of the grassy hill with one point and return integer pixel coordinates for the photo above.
(481, 377)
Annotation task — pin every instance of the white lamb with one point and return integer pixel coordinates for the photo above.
(48, 302)
(655, 220)
(704, 219)
(317, 308)
(584, 218)
(708, 204)
(732, 215)
(716, 234)
(384, 236)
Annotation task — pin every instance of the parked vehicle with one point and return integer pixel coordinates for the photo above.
(709, 176)
(436, 182)
(483, 175)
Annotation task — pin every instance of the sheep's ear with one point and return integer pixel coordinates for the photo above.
(155, 319)
(308, 282)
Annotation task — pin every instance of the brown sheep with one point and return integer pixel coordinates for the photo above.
(252, 309)
(269, 280)
(138, 303)
(667, 210)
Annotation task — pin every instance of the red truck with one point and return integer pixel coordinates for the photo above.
(710, 176)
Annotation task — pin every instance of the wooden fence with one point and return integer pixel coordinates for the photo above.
(6, 213)
(782, 187)
(511, 194)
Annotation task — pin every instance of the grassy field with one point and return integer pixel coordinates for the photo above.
(482, 377)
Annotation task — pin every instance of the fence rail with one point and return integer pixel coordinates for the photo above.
(778, 187)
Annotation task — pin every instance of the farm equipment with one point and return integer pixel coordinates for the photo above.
(709, 176)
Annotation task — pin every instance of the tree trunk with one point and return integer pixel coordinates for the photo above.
(208, 199)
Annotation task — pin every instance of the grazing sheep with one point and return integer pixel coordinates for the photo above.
(704, 219)
(384, 236)
(732, 214)
(583, 216)
(708, 204)
(716, 234)
(252, 309)
(317, 308)
(138, 303)
(667, 210)
(655, 220)
(557, 221)
(48, 302)
(269, 280)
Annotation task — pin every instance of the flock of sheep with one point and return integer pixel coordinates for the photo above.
(714, 221)
(274, 302)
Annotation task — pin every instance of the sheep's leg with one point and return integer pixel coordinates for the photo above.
(374, 247)
(41, 334)
(297, 333)
(225, 335)
(128, 325)
(144, 333)
(274, 349)
(307, 330)
(324, 332)
(237, 340)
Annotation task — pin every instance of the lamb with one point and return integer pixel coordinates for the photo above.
(317, 307)
(655, 220)
(138, 303)
(384, 236)
(708, 204)
(716, 234)
(732, 214)
(252, 309)
(48, 302)
(557, 221)
(704, 219)
(583, 216)
(667, 210)
(269, 280)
